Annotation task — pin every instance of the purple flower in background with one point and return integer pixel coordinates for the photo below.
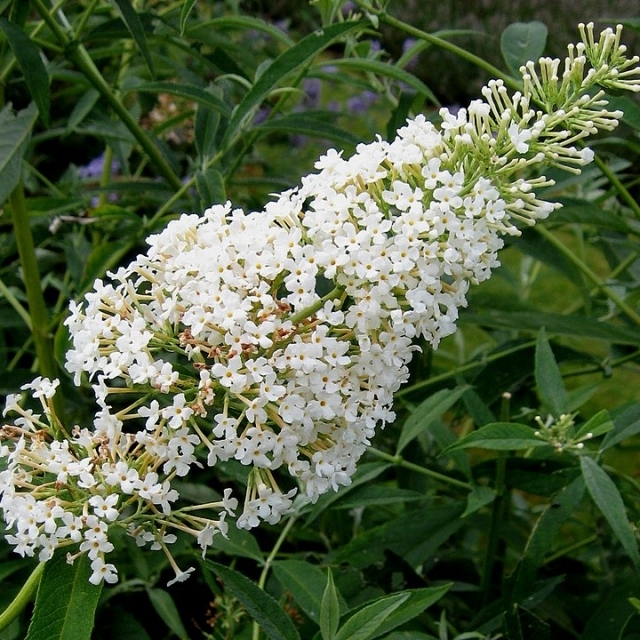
(361, 102)
(311, 88)
(95, 167)
(406, 45)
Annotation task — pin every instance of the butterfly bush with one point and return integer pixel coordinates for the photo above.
(278, 338)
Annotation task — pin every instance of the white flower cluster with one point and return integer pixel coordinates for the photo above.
(278, 338)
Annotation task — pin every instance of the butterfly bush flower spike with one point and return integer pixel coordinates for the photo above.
(278, 338)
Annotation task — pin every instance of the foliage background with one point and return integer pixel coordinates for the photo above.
(526, 541)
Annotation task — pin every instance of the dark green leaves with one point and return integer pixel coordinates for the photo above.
(548, 378)
(260, 605)
(134, 25)
(607, 498)
(499, 436)
(16, 131)
(521, 42)
(287, 62)
(427, 412)
(29, 58)
(66, 601)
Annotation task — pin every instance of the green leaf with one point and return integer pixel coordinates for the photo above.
(166, 608)
(134, 25)
(206, 127)
(626, 425)
(363, 624)
(427, 412)
(499, 436)
(238, 543)
(556, 323)
(240, 23)
(284, 64)
(310, 125)
(607, 498)
(413, 536)
(521, 42)
(380, 68)
(66, 601)
(612, 613)
(210, 187)
(187, 7)
(522, 624)
(544, 535)
(548, 378)
(414, 605)
(394, 610)
(329, 609)
(306, 582)
(81, 110)
(16, 132)
(275, 623)
(188, 91)
(478, 498)
(596, 425)
(29, 59)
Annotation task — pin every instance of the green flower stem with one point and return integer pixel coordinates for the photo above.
(414, 32)
(22, 599)
(31, 275)
(616, 183)
(589, 274)
(79, 56)
(268, 562)
(494, 560)
(405, 464)
(316, 306)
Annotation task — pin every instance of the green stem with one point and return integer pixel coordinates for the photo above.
(80, 57)
(22, 599)
(493, 561)
(399, 461)
(316, 306)
(616, 183)
(31, 275)
(589, 274)
(267, 565)
(414, 32)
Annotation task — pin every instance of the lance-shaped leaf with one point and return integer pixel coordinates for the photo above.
(134, 25)
(16, 133)
(284, 64)
(548, 378)
(499, 436)
(521, 42)
(29, 59)
(275, 623)
(66, 601)
(607, 498)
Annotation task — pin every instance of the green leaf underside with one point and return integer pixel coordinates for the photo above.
(607, 498)
(66, 601)
(16, 131)
(275, 623)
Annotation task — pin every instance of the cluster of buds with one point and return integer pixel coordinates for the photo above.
(278, 338)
